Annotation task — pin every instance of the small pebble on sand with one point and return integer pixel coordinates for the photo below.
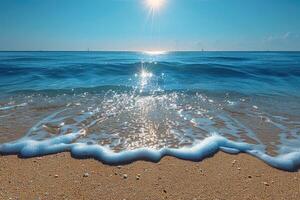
(233, 162)
(56, 176)
(125, 176)
(86, 175)
(266, 184)
(138, 176)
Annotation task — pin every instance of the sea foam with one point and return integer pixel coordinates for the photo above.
(209, 146)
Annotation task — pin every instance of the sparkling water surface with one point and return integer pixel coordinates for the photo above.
(124, 106)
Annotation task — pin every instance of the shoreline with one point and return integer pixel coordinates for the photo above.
(222, 176)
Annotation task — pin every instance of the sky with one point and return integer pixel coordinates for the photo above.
(214, 25)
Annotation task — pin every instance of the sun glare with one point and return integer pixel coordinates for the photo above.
(155, 4)
(154, 53)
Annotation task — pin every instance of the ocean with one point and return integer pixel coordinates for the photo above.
(119, 107)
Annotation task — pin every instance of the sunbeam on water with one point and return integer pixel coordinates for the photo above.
(144, 79)
(174, 105)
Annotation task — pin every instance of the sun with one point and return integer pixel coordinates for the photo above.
(155, 4)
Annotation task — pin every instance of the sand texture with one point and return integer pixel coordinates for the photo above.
(220, 177)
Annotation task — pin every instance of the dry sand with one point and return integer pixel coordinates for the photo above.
(220, 177)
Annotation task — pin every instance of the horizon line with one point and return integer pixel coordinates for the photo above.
(149, 51)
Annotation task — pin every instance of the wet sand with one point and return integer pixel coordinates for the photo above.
(220, 177)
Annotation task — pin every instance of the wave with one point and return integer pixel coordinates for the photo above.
(208, 147)
(173, 68)
(79, 90)
(225, 58)
(27, 59)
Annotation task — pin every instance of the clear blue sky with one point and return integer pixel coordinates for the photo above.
(126, 25)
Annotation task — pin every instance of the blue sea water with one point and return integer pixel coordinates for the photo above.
(119, 107)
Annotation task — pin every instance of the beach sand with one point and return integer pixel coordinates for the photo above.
(222, 176)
